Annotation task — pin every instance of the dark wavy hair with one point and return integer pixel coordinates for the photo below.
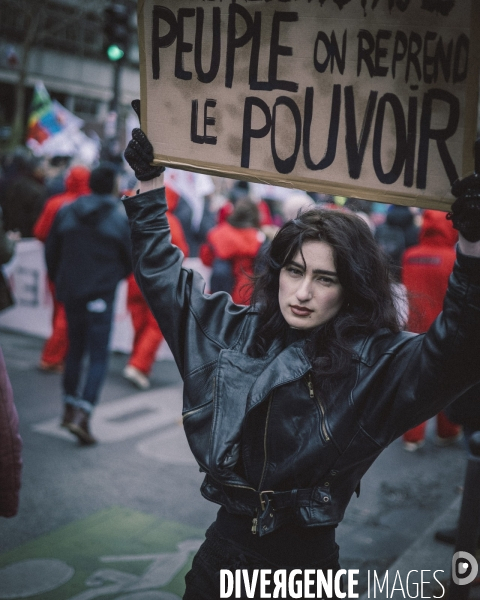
(363, 272)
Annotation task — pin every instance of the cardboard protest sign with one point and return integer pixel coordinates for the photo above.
(368, 98)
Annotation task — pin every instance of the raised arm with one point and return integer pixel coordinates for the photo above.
(422, 374)
(189, 318)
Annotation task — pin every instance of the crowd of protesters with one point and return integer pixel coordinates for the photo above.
(227, 227)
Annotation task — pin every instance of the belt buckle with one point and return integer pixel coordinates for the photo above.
(264, 501)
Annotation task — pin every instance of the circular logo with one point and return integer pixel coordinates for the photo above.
(464, 568)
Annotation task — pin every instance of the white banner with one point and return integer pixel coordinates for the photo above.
(32, 312)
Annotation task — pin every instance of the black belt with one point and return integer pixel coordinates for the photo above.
(276, 500)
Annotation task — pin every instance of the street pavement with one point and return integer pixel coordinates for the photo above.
(121, 520)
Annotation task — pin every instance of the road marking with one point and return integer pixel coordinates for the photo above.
(136, 416)
(169, 446)
(35, 576)
(127, 418)
(116, 552)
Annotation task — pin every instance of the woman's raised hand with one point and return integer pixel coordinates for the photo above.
(139, 152)
(465, 211)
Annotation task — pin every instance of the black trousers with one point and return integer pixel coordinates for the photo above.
(216, 553)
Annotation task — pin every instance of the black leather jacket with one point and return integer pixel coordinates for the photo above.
(264, 437)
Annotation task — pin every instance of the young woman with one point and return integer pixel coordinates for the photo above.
(289, 401)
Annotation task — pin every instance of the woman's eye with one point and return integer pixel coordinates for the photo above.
(326, 280)
(294, 271)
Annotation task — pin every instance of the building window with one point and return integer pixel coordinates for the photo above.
(85, 108)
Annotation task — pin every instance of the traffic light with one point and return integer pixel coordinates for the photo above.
(116, 30)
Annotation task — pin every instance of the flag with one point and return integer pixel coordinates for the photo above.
(52, 129)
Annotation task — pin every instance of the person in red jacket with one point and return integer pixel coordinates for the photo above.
(147, 336)
(55, 348)
(426, 269)
(237, 240)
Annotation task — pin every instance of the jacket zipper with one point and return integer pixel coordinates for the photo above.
(322, 410)
(255, 519)
(310, 387)
(192, 412)
(195, 410)
(245, 487)
(265, 442)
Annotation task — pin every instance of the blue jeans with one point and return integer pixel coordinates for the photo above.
(89, 326)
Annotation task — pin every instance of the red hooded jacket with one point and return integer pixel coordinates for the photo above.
(240, 246)
(76, 184)
(426, 269)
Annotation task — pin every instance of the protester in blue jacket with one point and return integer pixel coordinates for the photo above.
(87, 253)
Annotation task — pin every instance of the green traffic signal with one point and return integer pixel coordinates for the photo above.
(116, 29)
(115, 53)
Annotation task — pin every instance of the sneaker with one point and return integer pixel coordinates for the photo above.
(413, 446)
(448, 441)
(136, 377)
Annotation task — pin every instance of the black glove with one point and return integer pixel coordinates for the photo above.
(139, 152)
(465, 212)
